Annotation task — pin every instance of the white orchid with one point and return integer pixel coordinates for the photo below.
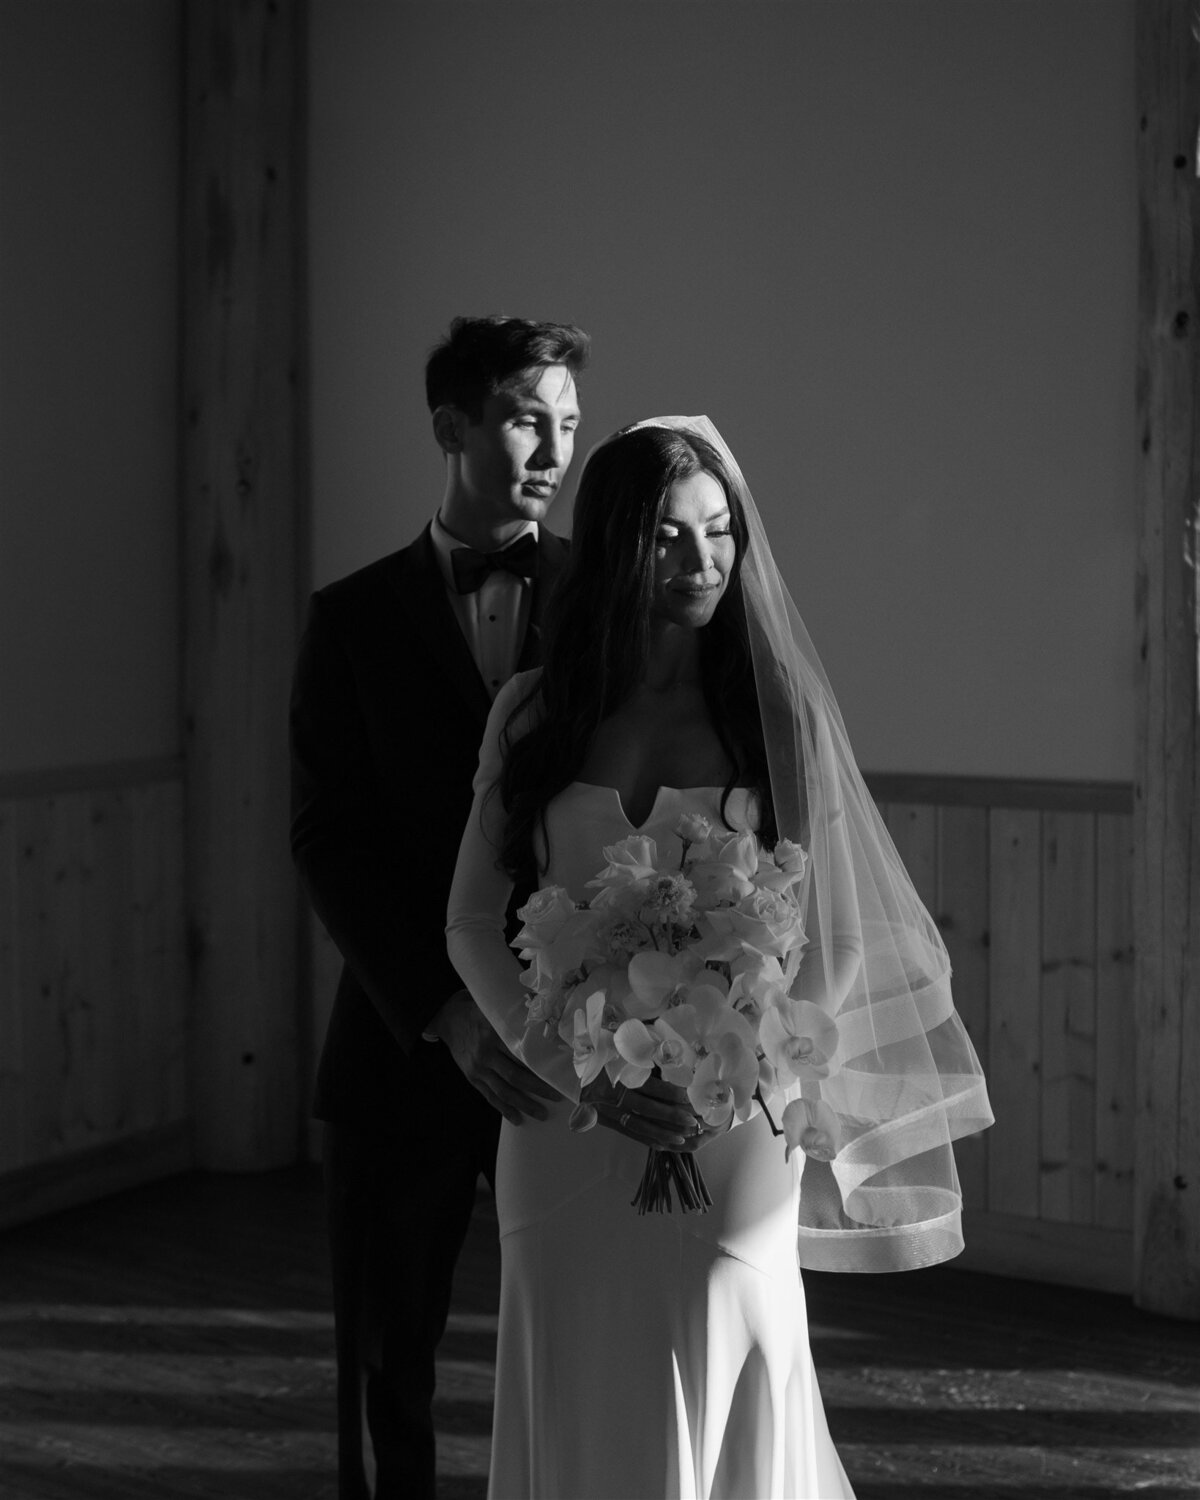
(709, 1028)
(799, 1039)
(679, 969)
(636, 1045)
(591, 1039)
(724, 1080)
(756, 982)
(662, 980)
(812, 1126)
(674, 1055)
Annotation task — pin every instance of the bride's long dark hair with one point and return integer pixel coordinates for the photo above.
(597, 633)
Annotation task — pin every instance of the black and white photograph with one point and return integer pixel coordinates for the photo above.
(599, 749)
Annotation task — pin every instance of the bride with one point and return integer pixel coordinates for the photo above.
(666, 1355)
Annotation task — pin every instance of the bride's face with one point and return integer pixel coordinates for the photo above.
(693, 552)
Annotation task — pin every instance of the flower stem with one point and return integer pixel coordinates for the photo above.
(758, 1094)
(667, 1172)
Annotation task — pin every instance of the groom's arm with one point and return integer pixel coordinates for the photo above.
(386, 921)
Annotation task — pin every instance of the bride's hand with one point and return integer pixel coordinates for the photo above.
(701, 1134)
(657, 1114)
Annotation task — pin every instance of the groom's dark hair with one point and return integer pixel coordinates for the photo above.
(480, 356)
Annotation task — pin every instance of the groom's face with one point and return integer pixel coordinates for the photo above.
(513, 460)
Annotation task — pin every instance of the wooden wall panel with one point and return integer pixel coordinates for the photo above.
(1068, 1003)
(159, 1009)
(12, 1115)
(172, 1003)
(94, 1051)
(1034, 904)
(1031, 888)
(962, 913)
(37, 981)
(1014, 1019)
(105, 964)
(913, 828)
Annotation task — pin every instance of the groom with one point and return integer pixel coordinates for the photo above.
(398, 666)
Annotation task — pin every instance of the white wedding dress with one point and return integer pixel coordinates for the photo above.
(659, 1356)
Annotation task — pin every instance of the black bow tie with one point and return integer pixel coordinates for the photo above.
(471, 567)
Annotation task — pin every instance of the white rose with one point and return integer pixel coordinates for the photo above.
(765, 920)
(544, 914)
(791, 858)
(693, 828)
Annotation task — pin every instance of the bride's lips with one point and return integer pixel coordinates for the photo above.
(539, 486)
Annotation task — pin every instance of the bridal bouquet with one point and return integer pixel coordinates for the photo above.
(682, 969)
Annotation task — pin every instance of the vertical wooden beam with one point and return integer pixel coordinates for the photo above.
(1167, 788)
(243, 521)
(1116, 1032)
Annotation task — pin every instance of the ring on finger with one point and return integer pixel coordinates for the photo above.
(624, 1120)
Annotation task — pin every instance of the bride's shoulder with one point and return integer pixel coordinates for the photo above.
(519, 697)
(523, 683)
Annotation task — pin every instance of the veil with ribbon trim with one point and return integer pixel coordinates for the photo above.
(880, 1191)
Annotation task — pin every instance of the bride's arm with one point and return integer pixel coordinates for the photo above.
(834, 955)
(655, 1115)
(475, 922)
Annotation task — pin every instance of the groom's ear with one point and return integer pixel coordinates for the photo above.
(448, 423)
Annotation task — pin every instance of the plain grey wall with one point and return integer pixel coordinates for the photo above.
(89, 184)
(889, 248)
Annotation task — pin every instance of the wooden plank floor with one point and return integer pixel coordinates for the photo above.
(176, 1341)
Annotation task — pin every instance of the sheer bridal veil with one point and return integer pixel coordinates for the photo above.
(880, 1191)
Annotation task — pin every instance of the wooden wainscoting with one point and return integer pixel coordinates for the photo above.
(1031, 886)
(94, 1044)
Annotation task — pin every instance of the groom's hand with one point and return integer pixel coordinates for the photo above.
(657, 1114)
(487, 1064)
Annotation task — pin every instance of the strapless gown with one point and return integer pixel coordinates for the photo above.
(657, 1356)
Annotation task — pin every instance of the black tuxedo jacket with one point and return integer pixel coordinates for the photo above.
(388, 711)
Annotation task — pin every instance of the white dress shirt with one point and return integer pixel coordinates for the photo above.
(494, 617)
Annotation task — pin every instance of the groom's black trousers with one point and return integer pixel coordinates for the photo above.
(398, 1211)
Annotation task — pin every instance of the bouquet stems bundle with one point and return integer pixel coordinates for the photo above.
(670, 1172)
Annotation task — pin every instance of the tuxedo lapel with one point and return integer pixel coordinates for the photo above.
(422, 592)
(552, 553)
